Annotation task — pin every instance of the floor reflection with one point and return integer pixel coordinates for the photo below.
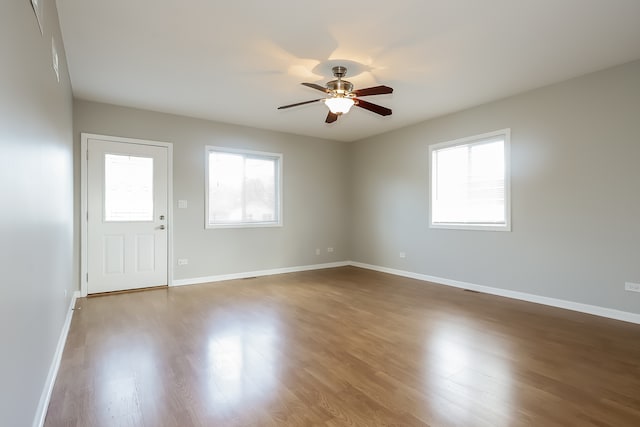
(242, 364)
(124, 371)
(464, 377)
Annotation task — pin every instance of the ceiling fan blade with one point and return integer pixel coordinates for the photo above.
(331, 117)
(376, 90)
(315, 86)
(299, 103)
(383, 111)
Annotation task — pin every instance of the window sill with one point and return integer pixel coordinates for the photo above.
(476, 227)
(248, 225)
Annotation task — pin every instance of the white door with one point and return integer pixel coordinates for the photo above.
(127, 216)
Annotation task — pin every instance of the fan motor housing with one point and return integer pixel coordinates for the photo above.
(340, 86)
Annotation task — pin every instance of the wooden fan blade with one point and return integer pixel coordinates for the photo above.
(331, 117)
(376, 90)
(300, 103)
(383, 111)
(315, 86)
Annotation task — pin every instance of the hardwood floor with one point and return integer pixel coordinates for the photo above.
(341, 347)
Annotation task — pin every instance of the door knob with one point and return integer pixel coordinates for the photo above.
(162, 227)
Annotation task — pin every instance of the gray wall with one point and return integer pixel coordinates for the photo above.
(36, 212)
(575, 195)
(315, 191)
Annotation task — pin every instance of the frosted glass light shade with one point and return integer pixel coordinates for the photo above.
(339, 105)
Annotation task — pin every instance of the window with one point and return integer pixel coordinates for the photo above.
(243, 188)
(128, 188)
(470, 183)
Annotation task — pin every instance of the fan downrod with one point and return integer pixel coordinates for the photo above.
(339, 71)
(339, 87)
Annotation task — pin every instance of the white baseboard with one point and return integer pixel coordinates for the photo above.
(43, 405)
(523, 296)
(245, 275)
(568, 305)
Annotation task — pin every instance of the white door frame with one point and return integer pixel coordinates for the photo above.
(84, 188)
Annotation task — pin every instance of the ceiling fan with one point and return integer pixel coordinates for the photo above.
(341, 96)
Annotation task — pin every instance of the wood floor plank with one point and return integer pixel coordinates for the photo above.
(341, 347)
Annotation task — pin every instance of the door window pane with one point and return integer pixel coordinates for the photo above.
(128, 193)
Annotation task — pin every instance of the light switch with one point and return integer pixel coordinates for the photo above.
(182, 204)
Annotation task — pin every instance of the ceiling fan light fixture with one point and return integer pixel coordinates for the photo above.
(340, 96)
(339, 105)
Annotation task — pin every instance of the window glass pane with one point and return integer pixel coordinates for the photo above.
(243, 188)
(226, 174)
(468, 183)
(260, 190)
(486, 183)
(451, 166)
(128, 182)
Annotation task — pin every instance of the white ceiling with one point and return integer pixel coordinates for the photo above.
(237, 61)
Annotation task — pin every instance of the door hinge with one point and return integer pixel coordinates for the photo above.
(87, 154)
(87, 277)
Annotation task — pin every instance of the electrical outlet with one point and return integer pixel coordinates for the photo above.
(632, 287)
(403, 255)
(183, 261)
(329, 249)
(317, 251)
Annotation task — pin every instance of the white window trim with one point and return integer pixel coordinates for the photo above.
(279, 186)
(506, 133)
